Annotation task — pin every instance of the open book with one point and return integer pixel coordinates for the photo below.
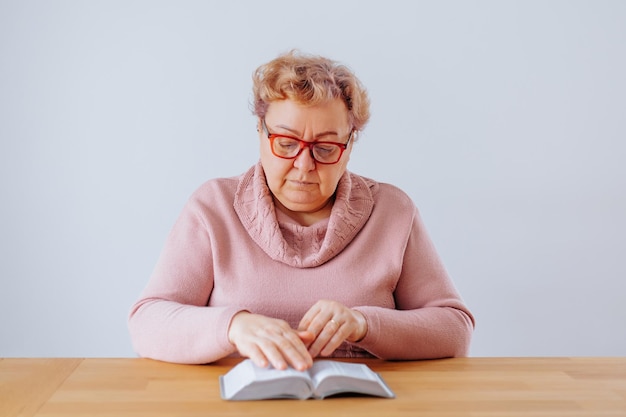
(246, 381)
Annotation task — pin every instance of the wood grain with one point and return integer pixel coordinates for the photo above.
(26, 384)
(498, 387)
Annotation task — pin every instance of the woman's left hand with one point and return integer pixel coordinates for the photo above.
(331, 323)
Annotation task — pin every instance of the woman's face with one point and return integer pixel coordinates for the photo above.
(302, 185)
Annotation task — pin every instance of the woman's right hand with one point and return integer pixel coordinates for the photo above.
(270, 341)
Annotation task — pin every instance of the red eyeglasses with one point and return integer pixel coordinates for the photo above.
(288, 147)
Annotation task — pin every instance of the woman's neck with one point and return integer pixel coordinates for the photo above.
(307, 218)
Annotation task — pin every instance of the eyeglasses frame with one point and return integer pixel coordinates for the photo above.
(305, 144)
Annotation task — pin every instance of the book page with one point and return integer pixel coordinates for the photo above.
(324, 368)
(333, 377)
(247, 381)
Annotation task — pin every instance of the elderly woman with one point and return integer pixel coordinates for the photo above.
(298, 257)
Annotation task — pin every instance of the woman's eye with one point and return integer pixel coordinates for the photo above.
(325, 149)
(287, 144)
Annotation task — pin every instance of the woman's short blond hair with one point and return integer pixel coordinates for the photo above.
(310, 80)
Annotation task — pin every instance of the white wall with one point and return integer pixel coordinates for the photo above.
(504, 120)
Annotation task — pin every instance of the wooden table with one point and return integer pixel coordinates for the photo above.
(498, 387)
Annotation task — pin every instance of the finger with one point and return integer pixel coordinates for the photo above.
(320, 321)
(287, 349)
(324, 337)
(256, 356)
(306, 336)
(274, 357)
(318, 315)
(335, 341)
(308, 318)
(342, 333)
(295, 351)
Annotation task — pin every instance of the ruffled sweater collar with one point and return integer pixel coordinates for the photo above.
(288, 242)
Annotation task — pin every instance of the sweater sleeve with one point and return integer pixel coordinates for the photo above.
(171, 321)
(430, 319)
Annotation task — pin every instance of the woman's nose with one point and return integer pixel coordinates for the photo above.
(305, 160)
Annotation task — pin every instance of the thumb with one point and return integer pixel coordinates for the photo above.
(306, 337)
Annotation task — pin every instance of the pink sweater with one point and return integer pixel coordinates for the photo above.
(230, 250)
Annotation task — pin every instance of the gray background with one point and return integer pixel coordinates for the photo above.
(504, 121)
